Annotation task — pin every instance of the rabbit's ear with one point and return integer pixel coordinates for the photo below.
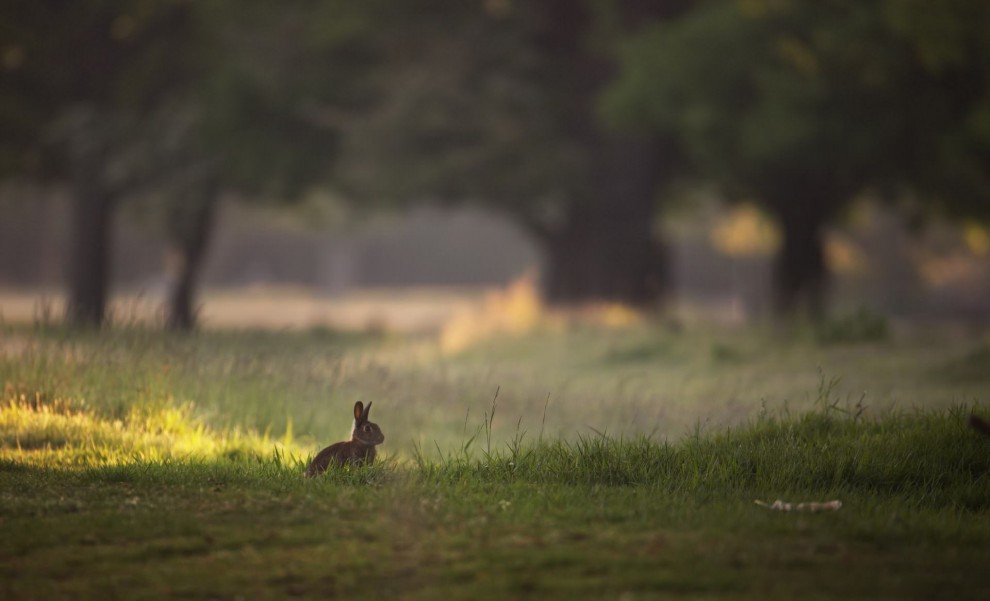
(358, 411)
(367, 410)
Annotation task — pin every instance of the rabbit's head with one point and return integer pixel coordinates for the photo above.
(365, 432)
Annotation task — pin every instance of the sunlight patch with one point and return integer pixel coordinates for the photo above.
(64, 433)
(518, 310)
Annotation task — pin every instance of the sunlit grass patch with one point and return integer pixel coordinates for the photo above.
(64, 432)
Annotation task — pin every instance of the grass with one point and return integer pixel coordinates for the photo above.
(588, 463)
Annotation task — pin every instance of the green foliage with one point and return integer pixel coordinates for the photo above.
(282, 83)
(775, 98)
(241, 86)
(803, 106)
(94, 57)
(930, 459)
(481, 114)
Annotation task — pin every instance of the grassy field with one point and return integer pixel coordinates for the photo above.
(576, 461)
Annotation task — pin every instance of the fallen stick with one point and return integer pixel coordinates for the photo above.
(810, 507)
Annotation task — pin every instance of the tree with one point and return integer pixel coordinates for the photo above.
(500, 108)
(176, 103)
(81, 77)
(946, 149)
(798, 105)
(264, 120)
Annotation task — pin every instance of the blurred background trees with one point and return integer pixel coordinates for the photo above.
(500, 107)
(581, 121)
(174, 103)
(804, 106)
(81, 79)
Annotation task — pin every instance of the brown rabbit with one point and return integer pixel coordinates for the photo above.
(979, 424)
(359, 449)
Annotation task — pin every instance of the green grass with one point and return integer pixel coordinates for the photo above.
(608, 464)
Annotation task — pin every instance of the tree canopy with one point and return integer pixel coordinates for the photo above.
(803, 105)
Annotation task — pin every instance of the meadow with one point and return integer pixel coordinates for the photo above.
(600, 457)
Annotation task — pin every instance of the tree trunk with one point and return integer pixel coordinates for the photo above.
(89, 261)
(190, 225)
(568, 274)
(800, 274)
(607, 249)
(584, 263)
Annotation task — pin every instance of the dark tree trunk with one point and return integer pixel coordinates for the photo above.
(568, 273)
(190, 225)
(89, 260)
(800, 274)
(608, 248)
(586, 264)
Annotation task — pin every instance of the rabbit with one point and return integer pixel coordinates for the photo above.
(360, 449)
(979, 424)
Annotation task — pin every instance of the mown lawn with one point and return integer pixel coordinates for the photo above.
(611, 464)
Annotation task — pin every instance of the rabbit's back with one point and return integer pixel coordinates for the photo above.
(340, 454)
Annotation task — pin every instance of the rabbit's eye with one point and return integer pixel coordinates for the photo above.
(366, 428)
